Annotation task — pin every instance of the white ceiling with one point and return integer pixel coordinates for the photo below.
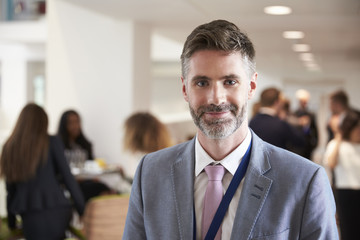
(331, 27)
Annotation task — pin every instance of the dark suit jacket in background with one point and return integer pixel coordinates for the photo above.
(46, 189)
(276, 131)
(310, 134)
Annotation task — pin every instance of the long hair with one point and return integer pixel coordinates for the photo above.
(145, 133)
(65, 137)
(351, 120)
(27, 146)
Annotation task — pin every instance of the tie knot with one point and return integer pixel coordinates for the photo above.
(215, 172)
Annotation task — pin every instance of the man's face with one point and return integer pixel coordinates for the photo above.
(217, 89)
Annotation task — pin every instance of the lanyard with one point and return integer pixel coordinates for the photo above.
(225, 202)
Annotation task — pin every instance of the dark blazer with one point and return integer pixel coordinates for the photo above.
(284, 197)
(46, 189)
(276, 131)
(310, 134)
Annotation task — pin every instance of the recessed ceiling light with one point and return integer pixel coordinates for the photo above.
(277, 10)
(293, 34)
(301, 47)
(307, 57)
(313, 67)
(311, 64)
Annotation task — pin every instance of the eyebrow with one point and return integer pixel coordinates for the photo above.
(199, 78)
(231, 76)
(205, 78)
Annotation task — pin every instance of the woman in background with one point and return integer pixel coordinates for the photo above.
(343, 156)
(72, 136)
(77, 150)
(144, 133)
(36, 172)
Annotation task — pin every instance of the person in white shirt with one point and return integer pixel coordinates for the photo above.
(342, 155)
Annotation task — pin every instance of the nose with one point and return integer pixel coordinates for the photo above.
(217, 94)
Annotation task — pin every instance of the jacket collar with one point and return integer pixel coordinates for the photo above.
(255, 189)
(183, 172)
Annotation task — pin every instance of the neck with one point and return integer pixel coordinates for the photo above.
(218, 149)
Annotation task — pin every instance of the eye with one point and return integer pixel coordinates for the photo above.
(230, 82)
(202, 83)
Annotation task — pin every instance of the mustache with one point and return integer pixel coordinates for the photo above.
(217, 108)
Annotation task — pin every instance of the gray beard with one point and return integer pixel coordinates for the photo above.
(219, 128)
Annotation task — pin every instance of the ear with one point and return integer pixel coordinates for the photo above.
(252, 85)
(184, 90)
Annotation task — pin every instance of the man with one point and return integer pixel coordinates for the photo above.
(307, 123)
(282, 196)
(270, 128)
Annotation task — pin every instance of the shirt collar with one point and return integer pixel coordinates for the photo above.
(230, 162)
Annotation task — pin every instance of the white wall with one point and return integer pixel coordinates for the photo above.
(14, 59)
(91, 68)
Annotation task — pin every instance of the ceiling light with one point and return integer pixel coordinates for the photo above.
(314, 67)
(277, 10)
(293, 34)
(311, 64)
(301, 47)
(307, 57)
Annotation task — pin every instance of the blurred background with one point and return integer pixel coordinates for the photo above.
(110, 58)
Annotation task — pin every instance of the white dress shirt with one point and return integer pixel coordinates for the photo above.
(230, 163)
(347, 171)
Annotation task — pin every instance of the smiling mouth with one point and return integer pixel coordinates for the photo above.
(217, 111)
(217, 114)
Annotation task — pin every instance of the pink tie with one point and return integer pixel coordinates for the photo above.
(213, 195)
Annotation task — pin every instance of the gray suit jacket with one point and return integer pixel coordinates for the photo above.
(284, 196)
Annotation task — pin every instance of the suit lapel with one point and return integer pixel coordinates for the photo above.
(255, 190)
(182, 173)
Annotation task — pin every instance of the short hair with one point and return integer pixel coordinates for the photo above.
(269, 96)
(302, 94)
(340, 97)
(145, 133)
(351, 120)
(218, 35)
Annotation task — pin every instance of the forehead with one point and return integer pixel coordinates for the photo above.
(72, 117)
(214, 61)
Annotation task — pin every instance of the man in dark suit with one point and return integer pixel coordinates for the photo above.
(307, 124)
(269, 127)
(281, 196)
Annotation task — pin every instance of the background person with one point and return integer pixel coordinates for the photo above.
(307, 124)
(78, 149)
(35, 170)
(73, 137)
(342, 155)
(270, 127)
(144, 133)
(339, 106)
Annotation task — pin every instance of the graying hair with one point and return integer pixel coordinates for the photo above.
(218, 35)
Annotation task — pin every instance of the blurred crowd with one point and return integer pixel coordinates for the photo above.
(39, 168)
(297, 131)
